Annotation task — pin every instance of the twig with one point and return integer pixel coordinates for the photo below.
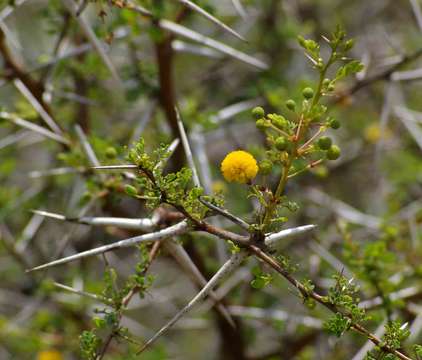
(322, 300)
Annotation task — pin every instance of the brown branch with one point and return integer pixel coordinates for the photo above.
(320, 299)
(224, 234)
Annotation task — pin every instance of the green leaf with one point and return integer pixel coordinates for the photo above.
(350, 68)
(258, 283)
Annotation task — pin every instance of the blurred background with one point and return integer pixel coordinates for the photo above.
(92, 72)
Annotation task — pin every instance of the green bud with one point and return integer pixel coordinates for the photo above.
(290, 104)
(324, 143)
(261, 124)
(265, 167)
(281, 143)
(333, 152)
(341, 34)
(334, 124)
(326, 82)
(349, 44)
(258, 112)
(301, 41)
(131, 190)
(278, 120)
(280, 123)
(110, 152)
(330, 87)
(308, 93)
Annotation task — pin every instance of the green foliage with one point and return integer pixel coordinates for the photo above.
(261, 279)
(89, 344)
(395, 334)
(337, 324)
(173, 188)
(343, 296)
(417, 350)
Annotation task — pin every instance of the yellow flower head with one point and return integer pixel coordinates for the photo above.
(49, 355)
(239, 166)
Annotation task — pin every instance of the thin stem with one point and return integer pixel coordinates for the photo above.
(302, 149)
(322, 300)
(301, 130)
(279, 130)
(125, 301)
(309, 166)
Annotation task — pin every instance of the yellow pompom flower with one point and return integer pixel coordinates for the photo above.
(49, 355)
(239, 166)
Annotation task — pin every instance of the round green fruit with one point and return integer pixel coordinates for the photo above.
(281, 143)
(324, 143)
(308, 93)
(290, 104)
(334, 124)
(111, 152)
(258, 112)
(265, 167)
(333, 152)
